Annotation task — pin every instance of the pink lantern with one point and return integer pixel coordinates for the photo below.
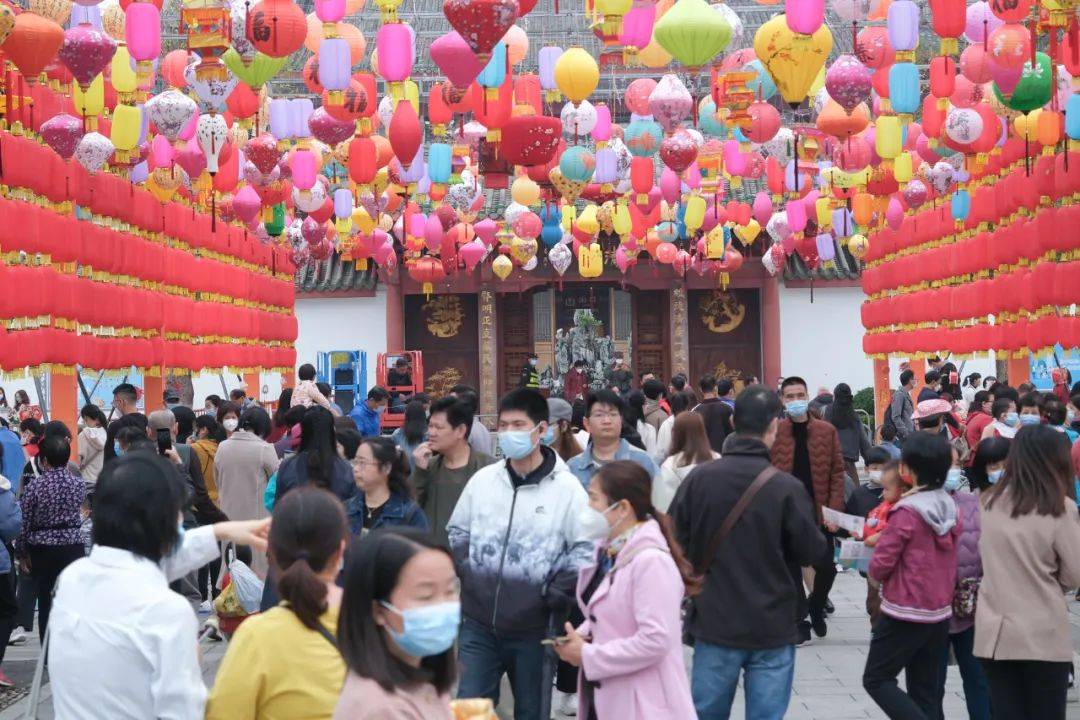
(191, 160)
(142, 32)
(804, 17)
(189, 130)
(1006, 78)
(304, 168)
(471, 253)
(692, 176)
(601, 131)
(894, 214)
(637, 95)
(433, 231)
(848, 82)
(394, 45)
(86, 52)
(981, 21)
(330, 11)
(670, 185)
(638, 26)
(974, 64)
(763, 208)
(246, 204)
(734, 160)
(453, 56)
(623, 260)
(527, 225)
(62, 133)
(796, 216)
(486, 230)
(670, 102)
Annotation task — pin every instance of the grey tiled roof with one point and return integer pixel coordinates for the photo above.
(333, 275)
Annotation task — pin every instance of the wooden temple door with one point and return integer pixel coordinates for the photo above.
(651, 338)
(515, 337)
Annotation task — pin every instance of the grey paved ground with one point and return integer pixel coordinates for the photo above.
(827, 672)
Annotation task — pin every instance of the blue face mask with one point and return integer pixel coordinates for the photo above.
(117, 449)
(549, 435)
(797, 408)
(1030, 420)
(1012, 419)
(954, 479)
(994, 475)
(428, 630)
(516, 444)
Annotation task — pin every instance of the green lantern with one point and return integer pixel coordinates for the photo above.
(693, 33)
(1035, 88)
(257, 72)
(276, 225)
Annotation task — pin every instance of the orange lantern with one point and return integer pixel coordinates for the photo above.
(276, 28)
(32, 44)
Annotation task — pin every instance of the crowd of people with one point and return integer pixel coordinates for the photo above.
(401, 569)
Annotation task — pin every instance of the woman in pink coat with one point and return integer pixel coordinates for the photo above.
(629, 648)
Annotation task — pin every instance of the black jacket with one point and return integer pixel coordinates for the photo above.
(206, 512)
(717, 415)
(294, 472)
(749, 598)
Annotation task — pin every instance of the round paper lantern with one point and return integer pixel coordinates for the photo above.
(576, 74)
(792, 60)
(981, 21)
(678, 151)
(693, 33)
(974, 64)
(670, 102)
(517, 44)
(1009, 46)
(1034, 89)
(804, 16)
(873, 49)
(848, 82)
(277, 28)
(1011, 11)
(32, 44)
(764, 123)
(963, 125)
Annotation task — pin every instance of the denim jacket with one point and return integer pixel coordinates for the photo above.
(398, 510)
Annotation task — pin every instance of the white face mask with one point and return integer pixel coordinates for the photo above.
(594, 524)
(874, 475)
(230, 424)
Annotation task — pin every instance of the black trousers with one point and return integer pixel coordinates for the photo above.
(915, 648)
(824, 577)
(9, 610)
(46, 564)
(566, 675)
(208, 578)
(26, 594)
(1027, 689)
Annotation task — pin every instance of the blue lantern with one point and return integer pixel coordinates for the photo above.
(439, 162)
(642, 137)
(577, 164)
(494, 73)
(904, 88)
(960, 205)
(1072, 117)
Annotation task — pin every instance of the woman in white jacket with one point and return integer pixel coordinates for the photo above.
(92, 442)
(689, 448)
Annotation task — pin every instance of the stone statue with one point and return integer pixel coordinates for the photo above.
(583, 341)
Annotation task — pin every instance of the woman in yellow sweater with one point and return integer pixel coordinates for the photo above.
(284, 664)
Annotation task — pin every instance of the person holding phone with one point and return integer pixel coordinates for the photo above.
(629, 647)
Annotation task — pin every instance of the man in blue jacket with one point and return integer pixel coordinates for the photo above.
(368, 414)
(12, 457)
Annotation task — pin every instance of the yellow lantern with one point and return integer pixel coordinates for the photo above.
(621, 219)
(794, 61)
(858, 246)
(569, 215)
(654, 56)
(888, 138)
(126, 124)
(124, 79)
(59, 11)
(612, 12)
(587, 221)
(523, 249)
(412, 94)
(748, 233)
(902, 168)
(502, 267)
(695, 213)
(590, 260)
(524, 191)
(823, 211)
(714, 243)
(1049, 127)
(113, 20)
(576, 74)
(363, 221)
(1026, 127)
(91, 102)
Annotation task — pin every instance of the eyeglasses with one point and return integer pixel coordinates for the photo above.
(362, 463)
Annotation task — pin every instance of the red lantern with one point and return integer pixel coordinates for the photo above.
(355, 103)
(427, 270)
(405, 133)
(530, 139)
(764, 122)
(942, 76)
(949, 18)
(482, 23)
(276, 28)
(1011, 11)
